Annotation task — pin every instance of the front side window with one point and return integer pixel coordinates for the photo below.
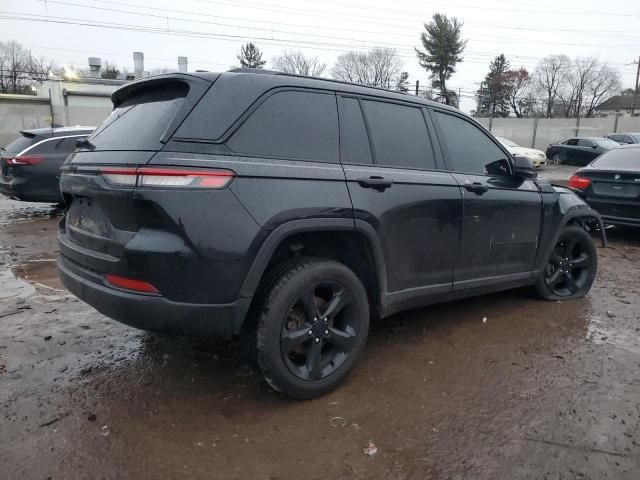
(572, 142)
(291, 124)
(583, 142)
(469, 149)
(399, 135)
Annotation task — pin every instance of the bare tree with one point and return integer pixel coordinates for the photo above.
(581, 76)
(19, 69)
(519, 91)
(295, 62)
(551, 78)
(380, 67)
(606, 82)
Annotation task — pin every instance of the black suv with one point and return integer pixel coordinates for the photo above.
(30, 165)
(290, 210)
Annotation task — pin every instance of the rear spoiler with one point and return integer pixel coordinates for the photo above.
(144, 84)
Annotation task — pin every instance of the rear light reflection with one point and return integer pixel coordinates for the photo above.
(167, 177)
(578, 182)
(23, 160)
(130, 284)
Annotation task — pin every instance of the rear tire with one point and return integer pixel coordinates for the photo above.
(571, 267)
(310, 328)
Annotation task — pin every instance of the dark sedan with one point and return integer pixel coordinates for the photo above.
(30, 165)
(611, 185)
(625, 138)
(580, 150)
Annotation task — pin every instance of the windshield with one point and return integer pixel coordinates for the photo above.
(506, 143)
(605, 143)
(139, 122)
(619, 159)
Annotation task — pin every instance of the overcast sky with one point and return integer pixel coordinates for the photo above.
(210, 32)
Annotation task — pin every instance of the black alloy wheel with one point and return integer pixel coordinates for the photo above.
(571, 268)
(311, 326)
(320, 330)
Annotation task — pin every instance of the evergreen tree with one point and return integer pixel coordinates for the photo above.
(493, 95)
(402, 84)
(250, 56)
(443, 47)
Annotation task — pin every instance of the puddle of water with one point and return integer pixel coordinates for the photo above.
(13, 210)
(41, 272)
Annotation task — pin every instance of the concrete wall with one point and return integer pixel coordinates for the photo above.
(18, 113)
(528, 132)
(84, 102)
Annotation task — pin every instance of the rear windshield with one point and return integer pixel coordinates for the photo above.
(19, 144)
(619, 159)
(139, 122)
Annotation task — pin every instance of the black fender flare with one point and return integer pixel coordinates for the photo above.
(571, 215)
(277, 235)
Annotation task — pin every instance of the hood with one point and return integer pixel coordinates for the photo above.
(525, 151)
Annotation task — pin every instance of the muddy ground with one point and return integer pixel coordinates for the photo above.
(540, 390)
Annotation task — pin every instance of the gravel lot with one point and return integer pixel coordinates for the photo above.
(539, 390)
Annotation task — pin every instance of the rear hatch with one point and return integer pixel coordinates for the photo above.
(99, 180)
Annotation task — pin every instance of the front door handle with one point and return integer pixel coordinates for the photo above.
(476, 187)
(376, 183)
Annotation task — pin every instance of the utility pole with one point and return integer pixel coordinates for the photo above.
(418, 87)
(635, 95)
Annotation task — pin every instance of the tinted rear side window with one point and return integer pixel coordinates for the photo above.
(399, 135)
(20, 143)
(291, 124)
(354, 142)
(469, 149)
(619, 159)
(57, 146)
(139, 122)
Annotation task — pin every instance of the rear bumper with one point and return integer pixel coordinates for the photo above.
(153, 312)
(19, 189)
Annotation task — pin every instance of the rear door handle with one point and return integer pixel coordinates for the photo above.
(376, 183)
(476, 187)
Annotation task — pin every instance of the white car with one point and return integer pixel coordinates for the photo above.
(538, 157)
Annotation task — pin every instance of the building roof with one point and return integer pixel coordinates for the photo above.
(619, 102)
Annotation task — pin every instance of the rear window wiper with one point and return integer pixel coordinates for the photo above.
(85, 143)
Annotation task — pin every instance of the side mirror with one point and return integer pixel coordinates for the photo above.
(523, 167)
(594, 146)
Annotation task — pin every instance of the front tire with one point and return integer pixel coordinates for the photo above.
(558, 158)
(571, 267)
(312, 325)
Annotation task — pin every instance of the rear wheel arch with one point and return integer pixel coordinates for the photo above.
(335, 239)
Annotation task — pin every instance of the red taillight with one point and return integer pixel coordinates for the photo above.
(578, 182)
(23, 160)
(130, 284)
(167, 177)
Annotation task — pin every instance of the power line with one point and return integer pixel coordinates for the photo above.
(195, 34)
(591, 32)
(331, 37)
